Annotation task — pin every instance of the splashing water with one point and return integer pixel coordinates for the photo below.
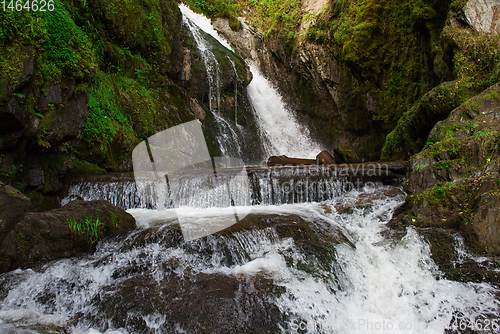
(375, 280)
(281, 133)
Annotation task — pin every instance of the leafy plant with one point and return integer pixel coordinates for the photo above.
(89, 226)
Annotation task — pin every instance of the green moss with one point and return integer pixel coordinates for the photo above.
(411, 132)
(22, 245)
(121, 110)
(218, 8)
(439, 194)
(84, 167)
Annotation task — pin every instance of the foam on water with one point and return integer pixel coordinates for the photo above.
(389, 284)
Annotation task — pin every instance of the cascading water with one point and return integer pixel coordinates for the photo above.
(314, 255)
(266, 187)
(310, 267)
(229, 136)
(280, 131)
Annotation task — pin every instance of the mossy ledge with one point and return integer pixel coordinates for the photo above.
(454, 181)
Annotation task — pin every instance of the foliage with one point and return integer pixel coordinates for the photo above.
(476, 67)
(218, 8)
(66, 49)
(89, 226)
(438, 193)
(118, 104)
(84, 167)
(61, 45)
(279, 18)
(477, 58)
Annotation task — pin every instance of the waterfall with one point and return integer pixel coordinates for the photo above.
(273, 186)
(280, 132)
(256, 279)
(228, 135)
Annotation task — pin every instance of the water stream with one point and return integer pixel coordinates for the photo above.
(280, 132)
(356, 277)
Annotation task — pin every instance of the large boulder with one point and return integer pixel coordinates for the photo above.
(486, 221)
(345, 156)
(43, 236)
(13, 205)
(483, 15)
(453, 182)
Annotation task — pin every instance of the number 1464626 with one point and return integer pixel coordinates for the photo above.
(33, 5)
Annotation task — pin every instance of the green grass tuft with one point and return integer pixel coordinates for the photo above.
(89, 226)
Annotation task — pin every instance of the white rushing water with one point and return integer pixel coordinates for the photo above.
(229, 135)
(381, 282)
(280, 131)
(282, 134)
(344, 270)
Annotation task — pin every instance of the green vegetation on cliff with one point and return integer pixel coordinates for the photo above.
(117, 57)
(393, 49)
(476, 67)
(453, 181)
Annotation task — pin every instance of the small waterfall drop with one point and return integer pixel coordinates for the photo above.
(229, 136)
(282, 134)
(316, 254)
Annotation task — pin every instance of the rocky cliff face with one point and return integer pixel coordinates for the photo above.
(314, 84)
(349, 84)
(454, 181)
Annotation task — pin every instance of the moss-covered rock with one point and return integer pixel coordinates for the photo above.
(345, 156)
(62, 232)
(13, 205)
(453, 182)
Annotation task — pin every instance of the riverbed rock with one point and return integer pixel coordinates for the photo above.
(13, 205)
(43, 236)
(483, 15)
(486, 221)
(345, 156)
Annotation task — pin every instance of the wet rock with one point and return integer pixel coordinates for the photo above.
(486, 223)
(367, 199)
(319, 86)
(454, 182)
(450, 255)
(325, 158)
(196, 302)
(43, 236)
(12, 98)
(53, 95)
(13, 205)
(483, 15)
